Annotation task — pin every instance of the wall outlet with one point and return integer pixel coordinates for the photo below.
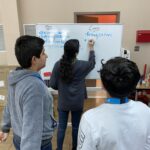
(137, 48)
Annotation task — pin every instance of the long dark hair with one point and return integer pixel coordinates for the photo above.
(71, 48)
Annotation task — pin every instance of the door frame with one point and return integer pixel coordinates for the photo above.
(117, 13)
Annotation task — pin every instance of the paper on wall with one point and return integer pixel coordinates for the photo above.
(2, 97)
(2, 84)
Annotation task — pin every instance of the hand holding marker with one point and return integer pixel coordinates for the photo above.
(91, 43)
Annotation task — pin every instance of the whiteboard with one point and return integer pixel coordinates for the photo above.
(108, 40)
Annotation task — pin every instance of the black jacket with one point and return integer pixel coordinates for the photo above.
(71, 96)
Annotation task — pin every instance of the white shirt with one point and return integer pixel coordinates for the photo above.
(115, 127)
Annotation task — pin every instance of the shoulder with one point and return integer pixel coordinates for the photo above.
(139, 104)
(92, 121)
(92, 114)
(56, 67)
(140, 108)
(35, 84)
(57, 64)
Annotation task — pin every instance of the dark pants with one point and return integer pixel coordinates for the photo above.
(46, 144)
(63, 119)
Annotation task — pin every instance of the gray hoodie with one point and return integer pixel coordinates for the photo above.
(29, 110)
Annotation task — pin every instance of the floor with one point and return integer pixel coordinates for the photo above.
(8, 145)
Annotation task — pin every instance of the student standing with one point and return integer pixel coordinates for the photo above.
(29, 110)
(68, 77)
(119, 124)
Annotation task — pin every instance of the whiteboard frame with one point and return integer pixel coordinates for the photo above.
(80, 24)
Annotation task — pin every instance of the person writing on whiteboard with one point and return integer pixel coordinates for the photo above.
(68, 77)
(120, 123)
(29, 110)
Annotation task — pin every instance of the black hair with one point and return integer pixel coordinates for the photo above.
(71, 48)
(26, 47)
(119, 77)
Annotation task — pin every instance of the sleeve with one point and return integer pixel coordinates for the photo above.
(6, 122)
(54, 78)
(32, 128)
(85, 139)
(90, 64)
(147, 144)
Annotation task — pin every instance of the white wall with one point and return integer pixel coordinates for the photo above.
(10, 21)
(3, 54)
(0, 12)
(38, 11)
(134, 15)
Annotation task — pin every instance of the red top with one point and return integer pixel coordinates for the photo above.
(47, 74)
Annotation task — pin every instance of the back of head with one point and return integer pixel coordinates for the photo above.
(71, 48)
(26, 47)
(119, 77)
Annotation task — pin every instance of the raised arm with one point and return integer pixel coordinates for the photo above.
(91, 45)
(90, 64)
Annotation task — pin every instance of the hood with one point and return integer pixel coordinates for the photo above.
(19, 74)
